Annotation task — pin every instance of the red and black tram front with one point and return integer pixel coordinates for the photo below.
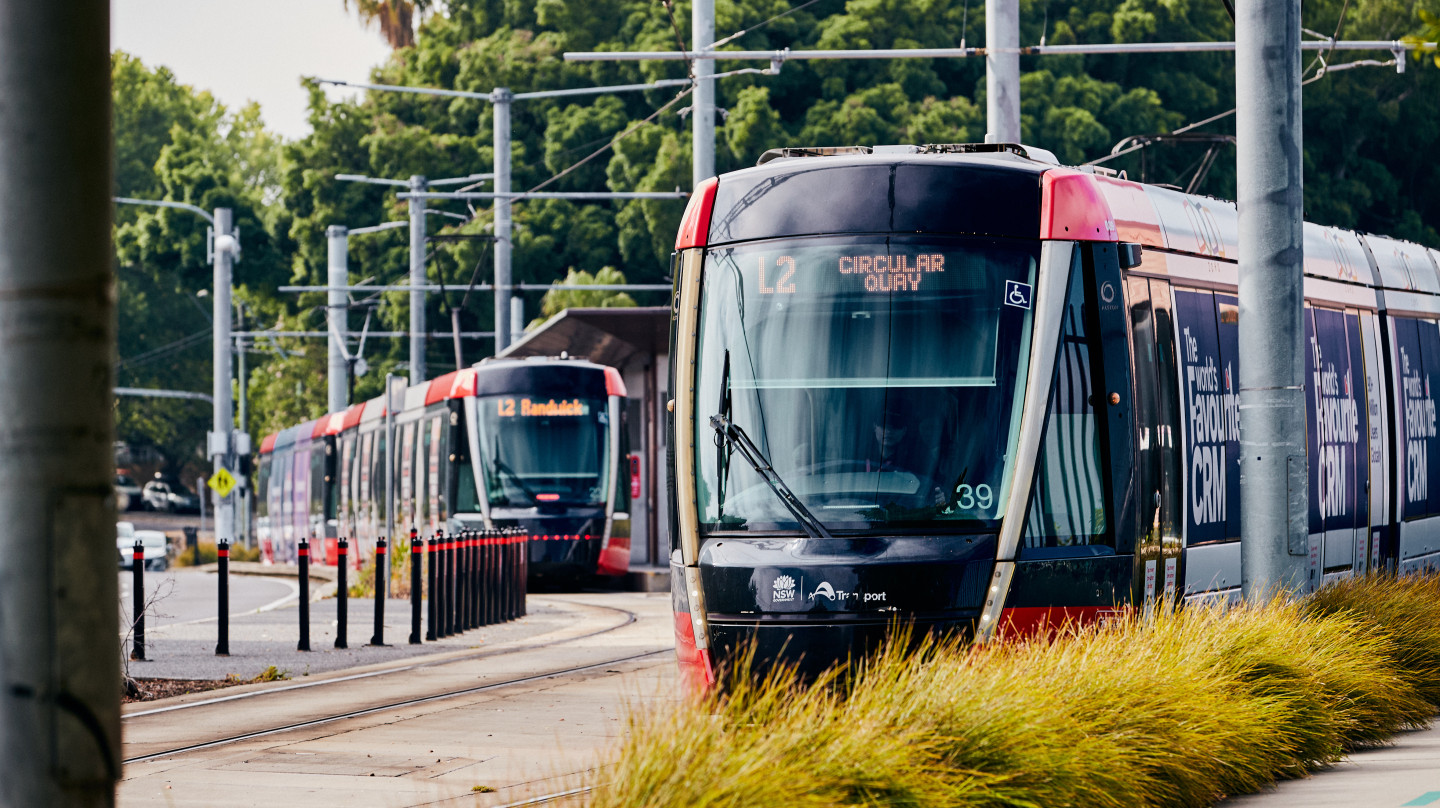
(864, 428)
(545, 438)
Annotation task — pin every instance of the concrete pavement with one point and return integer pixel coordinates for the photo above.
(1407, 773)
(531, 725)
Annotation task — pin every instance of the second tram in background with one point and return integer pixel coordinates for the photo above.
(537, 444)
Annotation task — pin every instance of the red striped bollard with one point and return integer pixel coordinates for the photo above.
(449, 570)
(381, 567)
(431, 590)
(342, 593)
(512, 565)
(302, 552)
(137, 603)
(493, 580)
(524, 572)
(222, 575)
(477, 584)
(416, 558)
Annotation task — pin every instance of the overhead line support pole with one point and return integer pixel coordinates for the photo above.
(1002, 71)
(417, 278)
(59, 594)
(1274, 505)
(337, 276)
(500, 102)
(702, 33)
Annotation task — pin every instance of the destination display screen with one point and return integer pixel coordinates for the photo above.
(511, 407)
(879, 374)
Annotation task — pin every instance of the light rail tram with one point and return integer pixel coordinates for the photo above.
(537, 444)
(966, 387)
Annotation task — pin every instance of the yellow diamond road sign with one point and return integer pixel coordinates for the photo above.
(223, 482)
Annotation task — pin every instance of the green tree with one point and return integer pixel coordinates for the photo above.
(558, 300)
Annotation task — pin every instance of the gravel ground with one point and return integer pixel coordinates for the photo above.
(257, 641)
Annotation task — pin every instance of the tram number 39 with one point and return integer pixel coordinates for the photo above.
(969, 497)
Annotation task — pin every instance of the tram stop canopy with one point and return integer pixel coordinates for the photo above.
(635, 341)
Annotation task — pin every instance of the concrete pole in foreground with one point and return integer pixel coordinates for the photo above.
(417, 279)
(500, 102)
(59, 596)
(222, 448)
(702, 32)
(1002, 72)
(338, 274)
(1274, 506)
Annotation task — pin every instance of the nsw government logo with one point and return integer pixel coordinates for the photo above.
(784, 589)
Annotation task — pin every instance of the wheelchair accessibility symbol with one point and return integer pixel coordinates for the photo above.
(1017, 294)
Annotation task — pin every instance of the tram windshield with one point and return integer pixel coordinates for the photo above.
(544, 452)
(878, 375)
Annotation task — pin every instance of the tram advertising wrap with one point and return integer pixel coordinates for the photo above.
(969, 390)
(536, 444)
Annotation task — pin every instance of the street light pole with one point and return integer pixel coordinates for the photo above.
(221, 442)
(500, 100)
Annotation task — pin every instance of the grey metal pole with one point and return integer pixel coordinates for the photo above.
(242, 382)
(59, 594)
(382, 571)
(500, 100)
(417, 278)
(702, 32)
(337, 275)
(517, 319)
(1002, 71)
(1274, 507)
(222, 446)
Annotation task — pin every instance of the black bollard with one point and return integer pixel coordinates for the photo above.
(378, 638)
(222, 643)
(483, 549)
(302, 553)
(511, 564)
(137, 609)
(447, 567)
(523, 579)
(416, 557)
(462, 568)
(491, 583)
(438, 590)
(472, 585)
(430, 602)
(342, 593)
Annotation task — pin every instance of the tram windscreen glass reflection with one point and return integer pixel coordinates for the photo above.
(550, 451)
(878, 375)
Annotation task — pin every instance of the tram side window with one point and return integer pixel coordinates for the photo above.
(262, 485)
(1067, 507)
(317, 481)
(1417, 365)
(437, 487)
(1211, 417)
(1333, 407)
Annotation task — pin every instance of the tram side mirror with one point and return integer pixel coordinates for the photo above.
(1129, 255)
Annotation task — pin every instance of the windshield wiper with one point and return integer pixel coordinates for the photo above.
(519, 483)
(736, 438)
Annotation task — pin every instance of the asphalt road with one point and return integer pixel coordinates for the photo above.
(182, 595)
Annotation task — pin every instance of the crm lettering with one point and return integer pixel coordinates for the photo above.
(1214, 420)
(1337, 430)
(1419, 429)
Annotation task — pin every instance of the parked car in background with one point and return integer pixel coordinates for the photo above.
(156, 544)
(171, 497)
(127, 493)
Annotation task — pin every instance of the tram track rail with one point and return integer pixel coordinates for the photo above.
(629, 618)
(330, 719)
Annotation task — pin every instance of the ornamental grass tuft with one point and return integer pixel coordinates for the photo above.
(1176, 708)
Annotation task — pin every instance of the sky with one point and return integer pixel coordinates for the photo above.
(251, 50)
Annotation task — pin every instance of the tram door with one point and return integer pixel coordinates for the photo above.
(1158, 483)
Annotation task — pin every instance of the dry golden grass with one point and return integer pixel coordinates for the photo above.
(1177, 709)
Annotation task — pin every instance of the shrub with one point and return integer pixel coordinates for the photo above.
(1174, 709)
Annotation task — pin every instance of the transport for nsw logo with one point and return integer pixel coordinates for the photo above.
(784, 589)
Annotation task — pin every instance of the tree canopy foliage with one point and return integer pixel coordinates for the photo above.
(1369, 151)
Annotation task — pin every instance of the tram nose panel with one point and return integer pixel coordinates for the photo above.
(814, 603)
(870, 577)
